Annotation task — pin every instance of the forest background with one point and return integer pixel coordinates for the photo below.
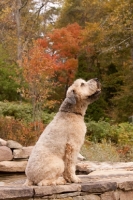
(45, 45)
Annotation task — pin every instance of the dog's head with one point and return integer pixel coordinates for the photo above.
(85, 91)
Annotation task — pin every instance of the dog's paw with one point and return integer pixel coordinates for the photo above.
(75, 179)
(60, 181)
(72, 179)
(47, 182)
(43, 183)
(28, 183)
(67, 178)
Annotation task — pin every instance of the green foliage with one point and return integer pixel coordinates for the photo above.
(8, 87)
(80, 12)
(22, 111)
(85, 70)
(8, 76)
(97, 131)
(19, 111)
(121, 134)
(95, 110)
(125, 133)
(47, 117)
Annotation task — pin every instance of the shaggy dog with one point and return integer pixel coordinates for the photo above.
(54, 156)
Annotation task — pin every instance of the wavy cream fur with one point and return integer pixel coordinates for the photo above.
(54, 156)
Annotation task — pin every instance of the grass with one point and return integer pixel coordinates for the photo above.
(107, 152)
(100, 152)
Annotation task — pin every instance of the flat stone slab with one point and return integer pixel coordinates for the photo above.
(87, 166)
(125, 185)
(110, 173)
(99, 187)
(13, 144)
(22, 153)
(13, 166)
(15, 192)
(82, 167)
(49, 190)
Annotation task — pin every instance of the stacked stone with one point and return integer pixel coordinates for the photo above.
(13, 156)
(115, 189)
(104, 181)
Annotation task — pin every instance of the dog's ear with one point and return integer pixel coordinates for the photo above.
(71, 97)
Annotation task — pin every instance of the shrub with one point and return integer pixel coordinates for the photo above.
(100, 152)
(125, 133)
(23, 111)
(97, 131)
(16, 122)
(47, 117)
(22, 132)
(121, 134)
(8, 77)
(17, 110)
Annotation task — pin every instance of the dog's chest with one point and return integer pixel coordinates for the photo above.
(75, 128)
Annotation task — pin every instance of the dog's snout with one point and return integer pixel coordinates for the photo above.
(96, 79)
(98, 83)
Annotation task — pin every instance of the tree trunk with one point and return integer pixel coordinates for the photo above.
(132, 44)
(18, 23)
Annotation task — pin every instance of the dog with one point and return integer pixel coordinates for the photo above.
(53, 158)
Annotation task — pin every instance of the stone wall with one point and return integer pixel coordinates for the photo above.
(116, 189)
(14, 157)
(103, 181)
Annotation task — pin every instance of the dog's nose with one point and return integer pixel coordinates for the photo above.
(96, 79)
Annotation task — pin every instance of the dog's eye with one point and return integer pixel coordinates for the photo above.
(82, 84)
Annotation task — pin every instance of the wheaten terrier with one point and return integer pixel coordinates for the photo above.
(54, 156)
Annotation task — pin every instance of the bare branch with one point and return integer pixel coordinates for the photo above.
(115, 45)
(23, 5)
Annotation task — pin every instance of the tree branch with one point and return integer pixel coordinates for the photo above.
(23, 6)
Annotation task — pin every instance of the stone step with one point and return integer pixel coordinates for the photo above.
(107, 189)
(13, 166)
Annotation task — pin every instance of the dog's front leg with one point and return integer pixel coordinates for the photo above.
(70, 162)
